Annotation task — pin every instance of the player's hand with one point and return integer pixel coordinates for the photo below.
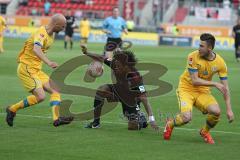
(154, 126)
(221, 88)
(108, 32)
(53, 64)
(84, 48)
(230, 115)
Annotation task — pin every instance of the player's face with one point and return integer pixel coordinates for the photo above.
(68, 13)
(115, 12)
(59, 26)
(204, 49)
(118, 67)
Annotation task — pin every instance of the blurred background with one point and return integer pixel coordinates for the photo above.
(168, 22)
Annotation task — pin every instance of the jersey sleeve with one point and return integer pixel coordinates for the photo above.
(107, 62)
(192, 64)
(124, 25)
(39, 39)
(136, 83)
(223, 71)
(105, 24)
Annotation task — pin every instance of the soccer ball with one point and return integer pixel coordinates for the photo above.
(95, 69)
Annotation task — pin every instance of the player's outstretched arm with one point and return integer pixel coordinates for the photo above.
(227, 99)
(148, 109)
(125, 31)
(94, 56)
(38, 52)
(196, 81)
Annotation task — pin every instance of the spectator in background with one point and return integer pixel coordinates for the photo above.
(78, 14)
(175, 30)
(34, 12)
(23, 2)
(238, 11)
(236, 36)
(89, 2)
(192, 11)
(226, 4)
(84, 30)
(47, 7)
(160, 29)
(31, 23)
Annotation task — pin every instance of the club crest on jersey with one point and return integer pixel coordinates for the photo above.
(214, 68)
(183, 104)
(198, 65)
(205, 72)
(42, 35)
(190, 61)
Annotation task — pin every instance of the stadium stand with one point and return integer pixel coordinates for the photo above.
(103, 6)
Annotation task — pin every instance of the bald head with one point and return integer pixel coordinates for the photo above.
(57, 22)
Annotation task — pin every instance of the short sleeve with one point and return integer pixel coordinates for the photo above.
(107, 62)
(39, 39)
(223, 71)
(105, 24)
(191, 64)
(124, 25)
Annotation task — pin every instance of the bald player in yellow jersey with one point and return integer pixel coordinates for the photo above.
(2, 27)
(194, 89)
(30, 72)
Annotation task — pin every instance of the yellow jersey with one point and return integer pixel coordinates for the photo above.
(205, 68)
(2, 24)
(27, 55)
(84, 28)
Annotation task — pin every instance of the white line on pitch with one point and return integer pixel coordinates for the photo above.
(121, 123)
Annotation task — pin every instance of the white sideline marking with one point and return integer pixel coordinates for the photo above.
(121, 123)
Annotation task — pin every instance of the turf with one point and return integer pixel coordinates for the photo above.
(34, 137)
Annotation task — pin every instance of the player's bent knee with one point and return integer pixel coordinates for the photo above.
(40, 97)
(215, 110)
(133, 125)
(186, 117)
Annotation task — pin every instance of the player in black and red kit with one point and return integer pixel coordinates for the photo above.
(236, 36)
(69, 30)
(128, 89)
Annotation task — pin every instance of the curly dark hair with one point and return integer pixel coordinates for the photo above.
(125, 57)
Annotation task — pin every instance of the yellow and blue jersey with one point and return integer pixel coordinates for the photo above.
(27, 55)
(205, 69)
(2, 24)
(84, 28)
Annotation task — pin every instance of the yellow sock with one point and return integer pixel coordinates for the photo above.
(178, 121)
(55, 112)
(55, 102)
(211, 122)
(1, 44)
(29, 101)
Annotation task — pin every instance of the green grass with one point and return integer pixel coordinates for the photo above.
(34, 137)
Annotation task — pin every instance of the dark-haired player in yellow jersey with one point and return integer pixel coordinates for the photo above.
(194, 89)
(30, 72)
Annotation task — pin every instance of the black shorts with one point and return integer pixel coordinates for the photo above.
(69, 32)
(118, 41)
(110, 46)
(128, 110)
